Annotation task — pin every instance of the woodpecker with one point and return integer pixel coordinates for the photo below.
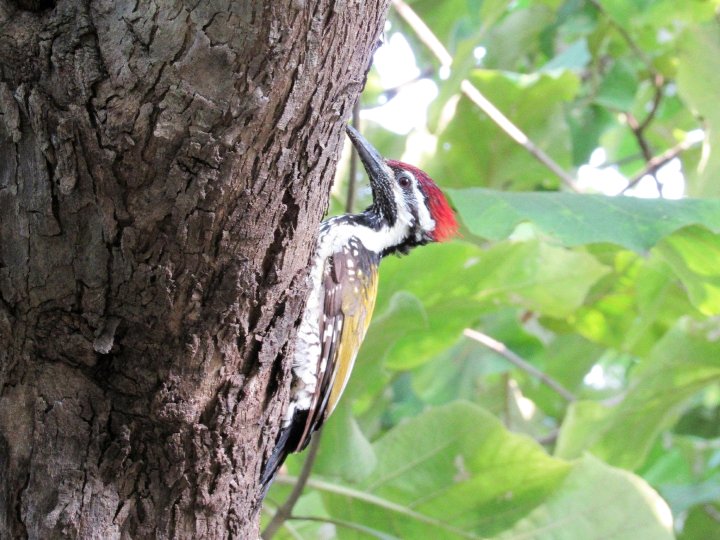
(408, 210)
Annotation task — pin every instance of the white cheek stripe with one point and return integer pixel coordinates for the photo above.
(427, 223)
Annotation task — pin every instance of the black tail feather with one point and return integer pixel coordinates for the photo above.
(287, 442)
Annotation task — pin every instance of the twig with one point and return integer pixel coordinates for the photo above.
(380, 502)
(353, 161)
(390, 93)
(342, 523)
(284, 512)
(626, 36)
(658, 83)
(638, 128)
(621, 161)
(471, 92)
(288, 527)
(506, 404)
(638, 132)
(502, 350)
(550, 438)
(658, 161)
(712, 512)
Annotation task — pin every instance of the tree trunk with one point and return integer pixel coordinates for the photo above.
(163, 169)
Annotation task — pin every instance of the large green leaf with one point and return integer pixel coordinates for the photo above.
(548, 279)
(597, 502)
(455, 472)
(636, 224)
(515, 36)
(684, 362)
(343, 442)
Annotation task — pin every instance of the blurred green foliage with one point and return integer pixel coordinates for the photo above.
(615, 298)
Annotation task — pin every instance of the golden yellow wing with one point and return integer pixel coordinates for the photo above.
(358, 304)
(350, 287)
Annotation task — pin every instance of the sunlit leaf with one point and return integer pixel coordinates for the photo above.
(686, 360)
(454, 472)
(698, 75)
(636, 224)
(534, 275)
(693, 255)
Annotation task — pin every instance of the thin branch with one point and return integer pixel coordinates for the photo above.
(626, 36)
(658, 161)
(285, 510)
(287, 525)
(342, 523)
(639, 134)
(471, 92)
(507, 401)
(514, 359)
(380, 502)
(390, 93)
(712, 512)
(350, 202)
(621, 161)
(638, 128)
(659, 84)
(550, 438)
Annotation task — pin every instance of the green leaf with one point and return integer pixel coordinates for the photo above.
(455, 472)
(698, 78)
(567, 359)
(344, 451)
(472, 150)
(584, 425)
(597, 501)
(575, 57)
(693, 255)
(515, 36)
(403, 315)
(463, 370)
(547, 279)
(618, 88)
(458, 465)
(702, 523)
(636, 224)
(684, 362)
(586, 126)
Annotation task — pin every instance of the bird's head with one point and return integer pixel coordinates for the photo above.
(405, 200)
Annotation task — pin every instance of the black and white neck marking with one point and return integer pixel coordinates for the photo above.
(397, 221)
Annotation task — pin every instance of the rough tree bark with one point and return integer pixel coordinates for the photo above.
(163, 168)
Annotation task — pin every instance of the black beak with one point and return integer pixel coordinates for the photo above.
(377, 171)
(371, 158)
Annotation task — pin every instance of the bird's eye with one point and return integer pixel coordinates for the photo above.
(404, 180)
